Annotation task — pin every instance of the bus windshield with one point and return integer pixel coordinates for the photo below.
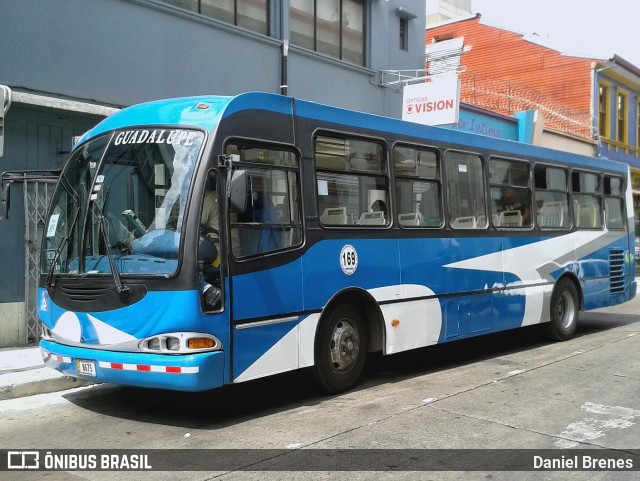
(120, 202)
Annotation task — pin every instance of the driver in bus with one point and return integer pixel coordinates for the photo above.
(209, 230)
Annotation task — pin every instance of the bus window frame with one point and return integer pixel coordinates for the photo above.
(528, 187)
(253, 143)
(620, 197)
(571, 225)
(438, 181)
(445, 182)
(384, 174)
(600, 177)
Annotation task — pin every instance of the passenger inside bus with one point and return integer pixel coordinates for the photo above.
(514, 208)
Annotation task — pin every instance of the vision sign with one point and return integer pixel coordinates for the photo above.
(432, 103)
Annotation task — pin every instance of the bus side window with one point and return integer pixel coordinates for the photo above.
(465, 190)
(271, 220)
(552, 197)
(417, 187)
(510, 194)
(614, 202)
(352, 183)
(587, 203)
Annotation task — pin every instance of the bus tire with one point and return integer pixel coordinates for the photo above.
(564, 311)
(341, 349)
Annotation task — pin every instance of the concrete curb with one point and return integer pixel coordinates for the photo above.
(35, 381)
(23, 373)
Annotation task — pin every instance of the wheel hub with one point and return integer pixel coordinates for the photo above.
(345, 345)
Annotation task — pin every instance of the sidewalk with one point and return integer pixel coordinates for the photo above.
(22, 373)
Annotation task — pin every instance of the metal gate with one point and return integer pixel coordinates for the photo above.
(37, 195)
(37, 189)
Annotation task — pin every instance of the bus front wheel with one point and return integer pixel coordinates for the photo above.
(564, 311)
(341, 349)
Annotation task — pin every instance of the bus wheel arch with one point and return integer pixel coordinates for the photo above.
(350, 326)
(566, 301)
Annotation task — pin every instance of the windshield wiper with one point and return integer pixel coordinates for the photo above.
(64, 242)
(117, 280)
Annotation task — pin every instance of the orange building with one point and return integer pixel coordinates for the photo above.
(506, 73)
(597, 100)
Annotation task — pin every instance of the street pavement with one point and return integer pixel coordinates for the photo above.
(502, 392)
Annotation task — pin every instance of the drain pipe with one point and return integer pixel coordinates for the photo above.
(596, 100)
(284, 55)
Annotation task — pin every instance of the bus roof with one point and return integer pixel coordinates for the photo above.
(207, 111)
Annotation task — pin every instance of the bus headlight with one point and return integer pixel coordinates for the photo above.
(173, 343)
(180, 343)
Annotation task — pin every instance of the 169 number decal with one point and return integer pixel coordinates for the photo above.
(348, 259)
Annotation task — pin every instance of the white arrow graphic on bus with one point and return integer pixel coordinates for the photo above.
(533, 264)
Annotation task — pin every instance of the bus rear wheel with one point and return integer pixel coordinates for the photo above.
(341, 350)
(564, 311)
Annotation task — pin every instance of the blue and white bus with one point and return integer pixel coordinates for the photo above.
(198, 242)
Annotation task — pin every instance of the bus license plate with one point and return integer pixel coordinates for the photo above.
(88, 368)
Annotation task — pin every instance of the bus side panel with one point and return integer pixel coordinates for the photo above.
(464, 293)
(262, 350)
(265, 304)
(377, 265)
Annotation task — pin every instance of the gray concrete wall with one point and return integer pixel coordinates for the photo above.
(127, 51)
(121, 52)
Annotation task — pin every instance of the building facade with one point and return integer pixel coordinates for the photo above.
(617, 107)
(588, 105)
(69, 63)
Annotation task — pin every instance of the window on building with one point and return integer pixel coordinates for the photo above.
(404, 34)
(417, 187)
(603, 111)
(638, 124)
(510, 194)
(352, 182)
(621, 117)
(465, 191)
(331, 27)
(249, 14)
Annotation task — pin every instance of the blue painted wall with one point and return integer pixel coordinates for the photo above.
(483, 122)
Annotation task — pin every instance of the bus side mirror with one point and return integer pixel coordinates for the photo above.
(238, 192)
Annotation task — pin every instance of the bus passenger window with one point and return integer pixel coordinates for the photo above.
(510, 194)
(614, 202)
(352, 186)
(465, 190)
(552, 198)
(587, 204)
(417, 187)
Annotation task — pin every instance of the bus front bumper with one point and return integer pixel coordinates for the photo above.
(190, 372)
